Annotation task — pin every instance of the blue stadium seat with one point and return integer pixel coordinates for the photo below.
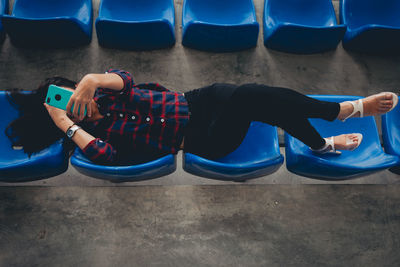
(136, 24)
(49, 23)
(391, 134)
(366, 159)
(153, 169)
(373, 26)
(301, 26)
(219, 26)
(258, 155)
(3, 10)
(15, 165)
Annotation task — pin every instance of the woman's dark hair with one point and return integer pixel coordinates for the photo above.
(34, 130)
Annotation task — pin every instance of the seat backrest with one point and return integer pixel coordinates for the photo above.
(3, 6)
(3, 10)
(391, 131)
(260, 143)
(134, 10)
(49, 8)
(220, 12)
(357, 13)
(8, 113)
(304, 12)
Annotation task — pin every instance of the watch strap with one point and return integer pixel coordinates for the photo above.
(70, 127)
(71, 130)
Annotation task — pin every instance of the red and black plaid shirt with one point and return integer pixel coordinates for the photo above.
(141, 114)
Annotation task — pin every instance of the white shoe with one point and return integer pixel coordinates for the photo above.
(358, 105)
(329, 147)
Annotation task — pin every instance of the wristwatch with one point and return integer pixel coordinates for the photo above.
(71, 130)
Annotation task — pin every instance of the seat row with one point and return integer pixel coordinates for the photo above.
(258, 155)
(295, 26)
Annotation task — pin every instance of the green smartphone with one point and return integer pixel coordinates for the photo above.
(58, 97)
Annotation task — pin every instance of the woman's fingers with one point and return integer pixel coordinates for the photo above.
(82, 107)
(69, 106)
(81, 111)
(79, 104)
(89, 110)
(80, 100)
(49, 108)
(46, 106)
(75, 109)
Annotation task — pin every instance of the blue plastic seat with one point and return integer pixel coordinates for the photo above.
(301, 26)
(369, 157)
(49, 23)
(153, 169)
(219, 26)
(136, 24)
(3, 10)
(391, 134)
(373, 25)
(15, 165)
(258, 155)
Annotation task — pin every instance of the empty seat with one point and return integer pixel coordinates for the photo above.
(391, 134)
(369, 157)
(301, 26)
(136, 24)
(17, 166)
(49, 23)
(153, 169)
(373, 25)
(258, 155)
(3, 10)
(219, 26)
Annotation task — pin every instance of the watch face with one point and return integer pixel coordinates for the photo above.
(69, 133)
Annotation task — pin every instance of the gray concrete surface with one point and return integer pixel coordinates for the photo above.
(226, 225)
(185, 220)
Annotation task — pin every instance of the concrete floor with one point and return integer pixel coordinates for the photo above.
(263, 225)
(182, 219)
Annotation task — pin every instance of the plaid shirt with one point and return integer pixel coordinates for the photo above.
(142, 114)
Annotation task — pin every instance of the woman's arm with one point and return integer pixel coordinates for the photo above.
(93, 148)
(60, 118)
(86, 89)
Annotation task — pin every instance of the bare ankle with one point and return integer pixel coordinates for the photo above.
(345, 109)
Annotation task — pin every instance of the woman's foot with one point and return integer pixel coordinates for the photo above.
(347, 141)
(370, 106)
(340, 142)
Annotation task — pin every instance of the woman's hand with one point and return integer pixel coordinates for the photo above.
(55, 113)
(59, 116)
(82, 96)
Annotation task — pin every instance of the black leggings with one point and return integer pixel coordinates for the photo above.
(222, 113)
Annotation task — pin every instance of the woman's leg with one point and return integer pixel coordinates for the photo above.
(269, 103)
(281, 107)
(290, 110)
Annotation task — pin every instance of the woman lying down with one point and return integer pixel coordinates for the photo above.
(128, 123)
